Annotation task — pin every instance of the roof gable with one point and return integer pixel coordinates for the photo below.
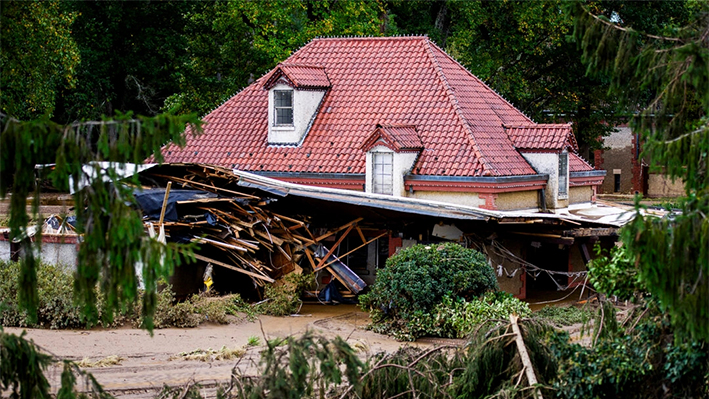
(552, 137)
(299, 76)
(399, 138)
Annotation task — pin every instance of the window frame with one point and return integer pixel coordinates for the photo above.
(277, 107)
(563, 189)
(385, 185)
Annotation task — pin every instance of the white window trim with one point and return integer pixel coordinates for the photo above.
(390, 176)
(290, 125)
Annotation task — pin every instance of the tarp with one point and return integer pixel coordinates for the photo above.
(150, 201)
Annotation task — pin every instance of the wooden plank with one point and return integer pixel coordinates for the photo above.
(524, 356)
(339, 229)
(185, 181)
(366, 243)
(164, 202)
(309, 255)
(203, 240)
(332, 250)
(240, 270)
(361, 235)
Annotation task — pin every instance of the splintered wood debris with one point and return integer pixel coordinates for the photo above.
(236, 230)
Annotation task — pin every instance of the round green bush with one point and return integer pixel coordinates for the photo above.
(419, 277)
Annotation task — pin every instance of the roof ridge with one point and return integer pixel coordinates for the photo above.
(454, 103)
(355, 37)
(485, 85)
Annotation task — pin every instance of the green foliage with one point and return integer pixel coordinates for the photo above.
(421, 287)
(56, 308)
(38, 56)
(564, 315)
(417, 278)
(455, 318)
(494, 366)
(637, 363)
(22, 367)
(666, 73)
(613, 273)
(411, 372)
(283, 297)
(306, 365)
(253, 341)
(113, 236)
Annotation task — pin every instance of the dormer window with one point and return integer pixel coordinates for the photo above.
(391, 151)
(383, 173)
(295, 93)
(283, 102)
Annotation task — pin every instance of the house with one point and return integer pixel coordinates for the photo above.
(627, 172)
(395, 116)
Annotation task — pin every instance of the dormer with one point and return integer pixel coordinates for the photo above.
(546, 147)
(391, 154)
(295, 93)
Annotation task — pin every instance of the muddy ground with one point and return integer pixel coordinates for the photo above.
(148, 362)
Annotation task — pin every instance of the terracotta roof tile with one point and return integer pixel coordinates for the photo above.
(545, 137)
(578, 164)
(371, 81)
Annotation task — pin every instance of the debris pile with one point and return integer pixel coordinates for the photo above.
(234, 227)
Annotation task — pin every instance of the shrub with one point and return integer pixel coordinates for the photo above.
(614, 273)
(564, 315)
(454, 318)
(407, 293)
(417, 278)
(56, 298)
(283, 297)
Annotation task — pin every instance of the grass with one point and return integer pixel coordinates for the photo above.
(253, 341)
(564, 315)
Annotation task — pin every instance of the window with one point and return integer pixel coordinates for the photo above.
(616, 186)
(383, 173)
(283, 101)
(563, 174)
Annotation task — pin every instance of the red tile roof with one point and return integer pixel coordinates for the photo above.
(374, 81)
(299, 76)
(578, 164)
(542, 137)
(397, 137)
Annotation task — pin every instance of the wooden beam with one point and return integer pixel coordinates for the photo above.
(339, 229)
(164, 202)
(349, 252)
(361, 235)
(524, 356)
(228, 266)
(332, 250)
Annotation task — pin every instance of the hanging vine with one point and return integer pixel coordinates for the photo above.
(90, 158)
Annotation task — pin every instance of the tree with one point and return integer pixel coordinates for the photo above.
(666, 75)
(38, 56)
(129, 52)
(229, 44)
(107, 216)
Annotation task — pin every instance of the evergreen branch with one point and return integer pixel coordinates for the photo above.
(630, 30)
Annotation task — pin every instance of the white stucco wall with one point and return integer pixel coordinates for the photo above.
(403, 162)
(548, 163)
(305, 103)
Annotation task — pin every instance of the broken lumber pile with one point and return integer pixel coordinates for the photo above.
(234, 227)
